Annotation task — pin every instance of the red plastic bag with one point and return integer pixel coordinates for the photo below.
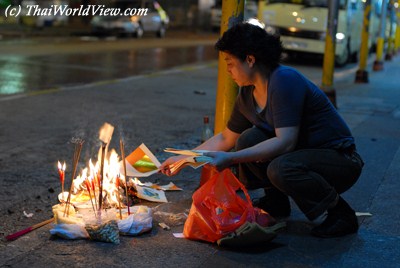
(217, 209)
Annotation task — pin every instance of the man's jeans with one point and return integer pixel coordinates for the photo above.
(313, 178)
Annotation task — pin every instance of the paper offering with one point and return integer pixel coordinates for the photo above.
(168, 187)
(185, 152)
(195, 159)
(360, 214)
(151, 194)
(141, 163)
(178, 235)
(192, 161)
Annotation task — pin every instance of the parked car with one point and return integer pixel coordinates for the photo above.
(154, 20)
(44, 20)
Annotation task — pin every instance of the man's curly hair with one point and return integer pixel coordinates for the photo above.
(245, 39)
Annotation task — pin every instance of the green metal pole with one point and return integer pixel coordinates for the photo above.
(362, 74)
(329, 55)
(232, 13)
(378, 63)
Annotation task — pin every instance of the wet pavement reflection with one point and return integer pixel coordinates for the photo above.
(25, 74)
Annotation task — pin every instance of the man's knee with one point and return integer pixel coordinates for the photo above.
(278, 171)
(283, 170)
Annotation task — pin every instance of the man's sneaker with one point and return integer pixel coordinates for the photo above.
(275, 203)
(336, 225)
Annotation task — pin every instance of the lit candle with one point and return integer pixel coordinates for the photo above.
(61, 173)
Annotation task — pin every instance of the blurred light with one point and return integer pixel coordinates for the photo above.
(13, 76)
(95, 19)
(295, 13)
(293, 29)
(300, 20)
(135, 18)
(315, 19)
(271, 30)
(340, 36)
(256, 22)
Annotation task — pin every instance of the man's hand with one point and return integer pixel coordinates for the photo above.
(164, 168)
(221, 160)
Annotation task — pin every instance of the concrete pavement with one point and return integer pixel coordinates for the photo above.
(165, 110)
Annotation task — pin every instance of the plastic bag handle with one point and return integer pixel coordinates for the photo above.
(246, 194)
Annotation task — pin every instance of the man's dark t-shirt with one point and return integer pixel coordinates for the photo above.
(293, 100)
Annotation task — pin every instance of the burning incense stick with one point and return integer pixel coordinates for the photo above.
(27, 230)
(103, 152)
(121, 145)
(94, 191)
(77, 154)
(91, 200)
(118, 197)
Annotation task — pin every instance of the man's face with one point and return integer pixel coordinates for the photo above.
(238, 70)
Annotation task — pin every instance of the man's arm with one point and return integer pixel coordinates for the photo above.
(223, 141)
(285, 141)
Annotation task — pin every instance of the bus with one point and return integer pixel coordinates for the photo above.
(302, 26)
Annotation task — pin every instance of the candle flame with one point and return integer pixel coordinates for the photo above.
(61, 167)
(89, 176)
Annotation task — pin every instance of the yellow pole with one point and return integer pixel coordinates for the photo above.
(362, 74)
(260, 11)
(378, 63)
(232, 13)
(329, 55)
(379, 48)
(397, 37)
